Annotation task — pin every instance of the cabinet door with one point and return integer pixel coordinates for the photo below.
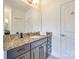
(24, 56)
(44, 50)
(35, 53)
(41, 52)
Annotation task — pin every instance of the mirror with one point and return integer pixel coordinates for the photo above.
(20, 17)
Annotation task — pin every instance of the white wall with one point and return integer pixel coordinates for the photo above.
(51, 22)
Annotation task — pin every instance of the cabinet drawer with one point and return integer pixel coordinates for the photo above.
(39, 42)
(18, 51)
(23, 56)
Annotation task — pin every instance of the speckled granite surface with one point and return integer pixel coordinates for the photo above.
(16, 42)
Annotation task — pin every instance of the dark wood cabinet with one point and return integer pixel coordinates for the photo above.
(19, 51)
(45, 50)
(39, 49)
(24, 56)
(35, 53)
(41, 52)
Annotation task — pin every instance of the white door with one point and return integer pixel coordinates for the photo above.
(68, 30)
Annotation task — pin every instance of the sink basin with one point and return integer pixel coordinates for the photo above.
(34, 36)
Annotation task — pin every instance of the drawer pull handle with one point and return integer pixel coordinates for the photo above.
(41, 47)
(22, 49)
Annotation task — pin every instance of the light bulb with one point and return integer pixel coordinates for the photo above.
(6, 20)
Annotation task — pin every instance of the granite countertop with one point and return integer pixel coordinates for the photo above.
(16, 42)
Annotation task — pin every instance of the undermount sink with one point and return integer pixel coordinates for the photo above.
(34, 36)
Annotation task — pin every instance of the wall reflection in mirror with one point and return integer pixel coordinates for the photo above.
(20, 17)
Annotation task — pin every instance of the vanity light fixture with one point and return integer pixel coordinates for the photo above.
(32, 3)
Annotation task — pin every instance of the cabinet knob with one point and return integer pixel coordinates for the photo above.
(41, 47)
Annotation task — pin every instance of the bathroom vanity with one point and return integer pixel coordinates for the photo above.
(28, 47)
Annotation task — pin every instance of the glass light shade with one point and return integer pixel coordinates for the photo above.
(33, 3)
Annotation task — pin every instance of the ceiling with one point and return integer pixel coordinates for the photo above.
(21, 5)
(17, 3)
